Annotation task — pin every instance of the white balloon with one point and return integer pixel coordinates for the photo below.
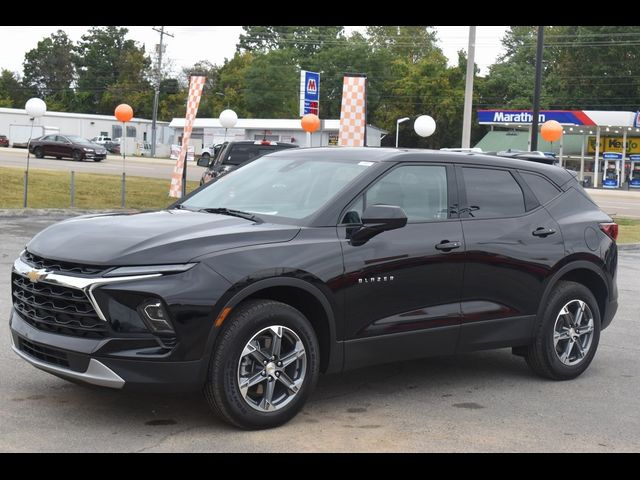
(228, 118)
(35, 107)
(424, 125)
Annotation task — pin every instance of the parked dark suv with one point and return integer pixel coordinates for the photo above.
(321, 260)
(234, 154)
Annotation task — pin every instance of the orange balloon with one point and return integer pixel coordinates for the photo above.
(551, 131)
(310, 123)
(124, 112)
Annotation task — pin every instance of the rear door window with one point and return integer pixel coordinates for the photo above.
(542, 188)
(492, 193)
(240, 153)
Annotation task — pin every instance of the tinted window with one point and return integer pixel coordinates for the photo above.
(542, 188)
(240, 153)
(420, 190)
(492, 193)
(49, 138)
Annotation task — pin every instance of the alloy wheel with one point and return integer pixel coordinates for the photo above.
(272, 368)
(573, 332)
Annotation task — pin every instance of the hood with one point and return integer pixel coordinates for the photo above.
(164, 237)
(88, 145)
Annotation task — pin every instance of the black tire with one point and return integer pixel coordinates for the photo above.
(78, 155)
(221, 388)
(206, 155)
(98, 159)
(541, 355)
(58, 158)
(38, 152)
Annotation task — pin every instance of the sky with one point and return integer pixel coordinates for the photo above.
(191, 43)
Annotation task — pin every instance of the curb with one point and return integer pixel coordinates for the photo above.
(629, 246)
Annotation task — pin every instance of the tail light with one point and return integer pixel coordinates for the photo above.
(610, 229)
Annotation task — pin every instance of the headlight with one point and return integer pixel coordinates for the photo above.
(147, 269)
(88, 149)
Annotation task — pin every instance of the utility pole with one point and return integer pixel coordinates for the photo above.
(157, 90)
(468, 89)
(536, 91)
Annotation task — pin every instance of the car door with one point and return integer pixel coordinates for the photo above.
(512, 245)
(48, 145)
(402, 287)
(61, 147)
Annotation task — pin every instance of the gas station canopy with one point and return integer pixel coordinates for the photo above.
(611, 129)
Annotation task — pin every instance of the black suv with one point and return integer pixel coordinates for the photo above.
(234, 154)
(321, 260)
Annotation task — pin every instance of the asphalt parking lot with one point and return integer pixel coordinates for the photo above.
(487, 401)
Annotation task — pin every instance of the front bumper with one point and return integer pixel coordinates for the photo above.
(84, 360)
(95, 156)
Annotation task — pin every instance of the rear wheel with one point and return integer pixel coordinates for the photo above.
(58, 158)
(77, 155)
(97, 159)
(264, 366)
(567, 337)
(38, 152)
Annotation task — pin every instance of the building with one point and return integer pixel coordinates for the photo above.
(587, 136)
(87, 125)
(208, 131)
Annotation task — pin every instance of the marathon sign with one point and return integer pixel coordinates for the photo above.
(309, 92)
(573, 117)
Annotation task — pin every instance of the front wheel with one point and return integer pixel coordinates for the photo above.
(264, 366)
(38, 152)
(568, 334)
(77, 155)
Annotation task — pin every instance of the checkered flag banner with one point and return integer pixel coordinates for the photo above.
(353, 113)
(195, 93)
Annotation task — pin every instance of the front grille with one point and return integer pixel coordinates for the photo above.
(55, 266)
(56, 309)
(46, 354)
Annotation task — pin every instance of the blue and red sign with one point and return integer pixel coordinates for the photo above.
(309, 92)
(574, 117)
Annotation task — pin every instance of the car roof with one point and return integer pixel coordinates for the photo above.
(375, 154)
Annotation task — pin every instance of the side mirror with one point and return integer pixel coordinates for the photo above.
(203, 162)
(377, 219)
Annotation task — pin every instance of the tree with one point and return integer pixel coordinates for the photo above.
(300, 40)
(49, 67)
(409, 42)
(272, 84)
(13, 94)
(105, 58)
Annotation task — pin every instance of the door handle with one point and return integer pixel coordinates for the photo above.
(447, 246)
(543, 232)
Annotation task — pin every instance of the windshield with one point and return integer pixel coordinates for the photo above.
(290, 187)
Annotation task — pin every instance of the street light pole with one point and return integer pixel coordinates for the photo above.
(536, 90)
(468, 89)
(156, 95)
(398, 122)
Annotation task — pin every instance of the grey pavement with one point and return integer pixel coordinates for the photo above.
(112, 165)
(487, 401)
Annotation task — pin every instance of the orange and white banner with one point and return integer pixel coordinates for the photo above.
(195, 93)
(353, 113)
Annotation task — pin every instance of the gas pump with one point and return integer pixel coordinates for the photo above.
(611, 173)
(634, 172)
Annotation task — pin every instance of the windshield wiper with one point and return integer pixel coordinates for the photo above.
(233, 213)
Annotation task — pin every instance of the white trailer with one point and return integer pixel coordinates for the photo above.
(19, 134)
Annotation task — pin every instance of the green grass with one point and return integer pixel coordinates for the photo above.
(51, 189)
(629, 231)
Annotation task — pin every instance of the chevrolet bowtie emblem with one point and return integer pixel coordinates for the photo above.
(36, 276)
